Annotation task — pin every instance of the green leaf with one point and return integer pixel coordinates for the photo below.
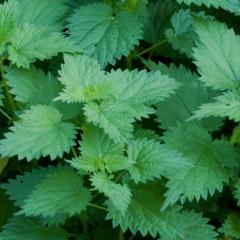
(225, 105)
(104, 34)
(180, 106)
(151, 160)
(143, 214)
(181, 34)
(119, 128)
(32, 86)
(146, 133)
(7, 208)
(118, 194)
(237, 192)
(230, 5)
(159, 16)
(99, 152)
(217, 54)
(41, 13)
(32, 42)
(230, 227)
(7, 22)
(58, 193)
(21, 228)
(212, 162)
(83, 80)
(19, 189)
(152, 86)
(40, 132)
(137, 91)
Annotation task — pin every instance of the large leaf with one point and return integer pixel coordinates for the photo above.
(104, 34)
(217, 54)
(180, 106)
(32, 86)
(32, 42)
(41, 132)
(151, 160)
(137, 91)
(18, 189)
(143, 214)
(21, 228)
(54, 195)
(212, 162)
(41, 13)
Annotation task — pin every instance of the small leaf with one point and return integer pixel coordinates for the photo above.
(118, 194)
(230, 227)
(180, 106)
(83, 80)
(99, 152)
(225, 105)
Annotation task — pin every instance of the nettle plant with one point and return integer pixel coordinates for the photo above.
(119, 119)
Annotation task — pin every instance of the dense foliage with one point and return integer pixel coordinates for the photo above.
(119, 119)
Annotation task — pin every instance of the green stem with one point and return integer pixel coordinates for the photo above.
(7, 91)
(5, 114)
(120, 236)
(97, 206)
(119, 177)
(9, 97)
(74, 152)
(235, 135)
(129, 61)
(73, 235)
(34, 163)
(153, 47)
(85, 226)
